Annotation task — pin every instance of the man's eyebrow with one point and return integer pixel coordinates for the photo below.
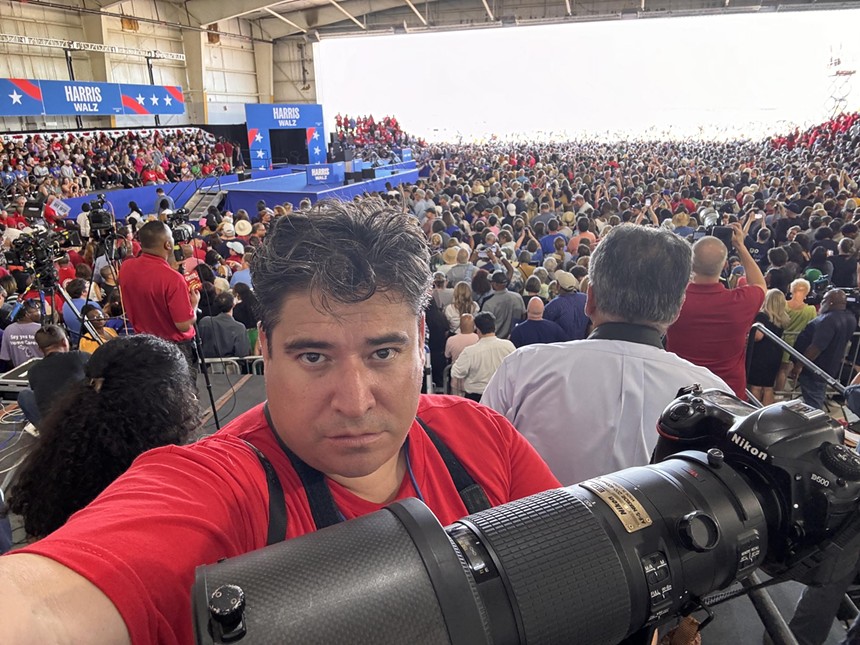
(394, 338)
(298, 344)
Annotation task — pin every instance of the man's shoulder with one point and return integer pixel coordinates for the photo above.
(450, 415)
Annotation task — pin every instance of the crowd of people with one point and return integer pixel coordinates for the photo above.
(76, 164)
(583, 273)
(362, 131)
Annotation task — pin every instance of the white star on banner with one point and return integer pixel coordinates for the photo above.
(258, 138)
(168, 100)
(316, 135)
(140, 99)
(260, 154)
(154, 99)
(317, 150)
(16, 98)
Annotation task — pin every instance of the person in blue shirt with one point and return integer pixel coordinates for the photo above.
(534, 329)
(75, 288)
(244, 274)
(547, 242)
(7, 177)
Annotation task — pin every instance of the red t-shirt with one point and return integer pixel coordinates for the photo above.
(712, 330)
(65, 273)
(180, 507)
(155, 297)
(149, 175)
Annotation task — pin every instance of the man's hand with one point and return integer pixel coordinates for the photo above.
(737, 235)
(195, 298)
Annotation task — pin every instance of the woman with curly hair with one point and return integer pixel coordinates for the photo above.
(137, 395)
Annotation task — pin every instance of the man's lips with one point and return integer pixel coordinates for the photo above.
(356, 439)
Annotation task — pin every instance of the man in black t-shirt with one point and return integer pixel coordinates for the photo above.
(52, 375)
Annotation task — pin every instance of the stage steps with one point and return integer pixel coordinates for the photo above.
(201, 200)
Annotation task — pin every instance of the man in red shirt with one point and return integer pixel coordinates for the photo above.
(714, 323)
(342, 337)
(156, 296)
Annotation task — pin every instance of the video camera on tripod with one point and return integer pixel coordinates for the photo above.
(102, 222)
(736, 489)
(182, 230)
(35, 252)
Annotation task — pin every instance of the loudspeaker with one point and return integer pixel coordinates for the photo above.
(368, 173)
(244, 176)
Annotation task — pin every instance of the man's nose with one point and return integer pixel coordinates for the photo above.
(352, 394)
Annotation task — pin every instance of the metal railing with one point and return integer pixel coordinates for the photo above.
(236, 365)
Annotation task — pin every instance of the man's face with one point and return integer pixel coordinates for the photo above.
(343, 386)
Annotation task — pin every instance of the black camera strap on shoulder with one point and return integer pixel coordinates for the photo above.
(473, 496)
(277, 503)
(323, 509)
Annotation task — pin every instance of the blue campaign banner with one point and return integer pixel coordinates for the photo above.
(326, 173)
(406, 154)
(19, 97)
(261, 118)
(23, 97)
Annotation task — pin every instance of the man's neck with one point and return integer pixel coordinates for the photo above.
(154, 254)
(704, 279)
(380, 486)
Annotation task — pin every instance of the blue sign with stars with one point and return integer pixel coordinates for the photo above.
(261, 118)
(24, 97)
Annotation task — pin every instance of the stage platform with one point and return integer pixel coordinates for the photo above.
(294, 187)
(734, 622)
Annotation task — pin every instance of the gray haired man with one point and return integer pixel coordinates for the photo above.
(590, 406)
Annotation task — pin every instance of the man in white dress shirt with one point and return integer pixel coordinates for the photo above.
(590, 407)
(477, 363)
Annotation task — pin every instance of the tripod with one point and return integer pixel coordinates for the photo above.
(204, 368)
(45, 283)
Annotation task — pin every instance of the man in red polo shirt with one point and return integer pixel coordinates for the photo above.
(155, 295)
(714, 322)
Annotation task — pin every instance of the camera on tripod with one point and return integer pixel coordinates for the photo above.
(182, 230)
(34, 250)
(736, 489)
(101, 220)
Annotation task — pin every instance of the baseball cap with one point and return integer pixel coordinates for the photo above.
(566, 281)
(499, 277)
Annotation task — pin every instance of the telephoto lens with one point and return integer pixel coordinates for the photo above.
(593, 563)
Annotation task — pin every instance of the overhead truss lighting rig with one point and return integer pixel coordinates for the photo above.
(74, 45)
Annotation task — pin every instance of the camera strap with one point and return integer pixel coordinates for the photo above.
(323, 509)
(835, 547)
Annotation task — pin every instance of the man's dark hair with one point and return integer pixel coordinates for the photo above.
(485, 322)
(341, 252)
(582, 224)
(49, 336)
(640, 275)
(224, 302)
(777, 256)
(151, 234)
(75, 288)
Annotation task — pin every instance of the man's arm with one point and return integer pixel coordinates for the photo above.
(185, 325)
(50, 603)
(753, 273)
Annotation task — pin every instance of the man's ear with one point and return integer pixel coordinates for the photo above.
(421, 332)
(590, 302)
(264, 344)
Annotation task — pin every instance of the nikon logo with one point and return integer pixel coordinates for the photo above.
(746, 445)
